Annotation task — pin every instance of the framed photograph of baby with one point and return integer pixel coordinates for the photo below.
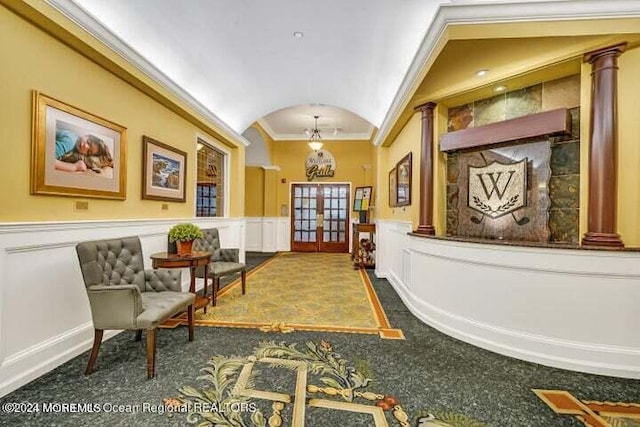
(75, 153)
(164, 171)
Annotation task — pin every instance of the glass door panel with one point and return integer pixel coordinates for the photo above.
(320, 217)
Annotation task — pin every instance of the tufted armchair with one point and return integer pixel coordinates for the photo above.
(224, 262)
(123, 295)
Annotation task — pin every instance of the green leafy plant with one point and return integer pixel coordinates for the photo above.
(184, 232)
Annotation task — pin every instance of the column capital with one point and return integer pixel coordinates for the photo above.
(594, 55)
(427, 106)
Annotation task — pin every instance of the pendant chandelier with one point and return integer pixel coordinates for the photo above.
(315, 142)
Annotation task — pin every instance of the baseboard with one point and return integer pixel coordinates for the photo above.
(19, 369)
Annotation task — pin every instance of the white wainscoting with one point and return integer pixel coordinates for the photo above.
(268, 234)
(44, 310)
(572, 309)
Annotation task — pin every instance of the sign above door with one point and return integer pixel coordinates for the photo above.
(320, 164)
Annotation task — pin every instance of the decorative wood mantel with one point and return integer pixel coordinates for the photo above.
(546, 123)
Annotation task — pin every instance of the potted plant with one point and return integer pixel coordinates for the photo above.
(184, 234)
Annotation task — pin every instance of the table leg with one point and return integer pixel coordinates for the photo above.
(206, 280)
(192, 284)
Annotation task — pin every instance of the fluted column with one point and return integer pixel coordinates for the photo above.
(603, 141)
(426, 170)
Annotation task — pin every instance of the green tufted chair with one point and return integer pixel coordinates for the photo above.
(224, 262)
(123, 295)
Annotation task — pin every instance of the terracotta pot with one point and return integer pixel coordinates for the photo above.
(184, 248)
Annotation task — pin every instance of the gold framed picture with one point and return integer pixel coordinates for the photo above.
(164, 171)
(403, 172)
(393, 188)
(76, 153)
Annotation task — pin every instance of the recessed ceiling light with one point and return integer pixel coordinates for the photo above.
(500, 88)
(298, 34)
(482, 73)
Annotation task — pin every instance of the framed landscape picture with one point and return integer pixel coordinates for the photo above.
(403, 173)
(164, 171)
(393, 188)
(76, 153)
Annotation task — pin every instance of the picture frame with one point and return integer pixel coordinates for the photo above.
(362, 198)
(393, 188)
(164, 171)
(75, 153)
(403, 180)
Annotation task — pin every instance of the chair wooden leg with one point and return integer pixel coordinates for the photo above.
(139, 335)
(190, 311)
(97, 339)
(214, 291)
(244, 281)
(151, 353)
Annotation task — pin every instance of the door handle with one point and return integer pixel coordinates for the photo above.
(319, 220)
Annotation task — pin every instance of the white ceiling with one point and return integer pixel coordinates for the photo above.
(236, 61)
(240, 60)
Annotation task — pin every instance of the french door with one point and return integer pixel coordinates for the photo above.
(320, 217)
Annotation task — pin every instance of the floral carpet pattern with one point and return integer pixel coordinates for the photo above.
(313, 385)
(302, 291)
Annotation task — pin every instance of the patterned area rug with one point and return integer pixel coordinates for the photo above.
(302, 291)
(282, 384)
(590, 412)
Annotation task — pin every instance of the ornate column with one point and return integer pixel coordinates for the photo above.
(426, 171)
(603, 141)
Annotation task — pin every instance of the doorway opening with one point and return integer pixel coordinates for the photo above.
(320, 217)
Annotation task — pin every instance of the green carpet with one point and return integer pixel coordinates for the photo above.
(427, 379)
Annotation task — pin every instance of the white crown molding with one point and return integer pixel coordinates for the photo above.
(94, 27)
(505, 11)
(265, 126)
(270, 167)
(304, 137)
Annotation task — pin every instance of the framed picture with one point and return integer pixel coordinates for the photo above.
(75, 153)
(164, 171)
(393, 188)
(362, 198)
(403, 179)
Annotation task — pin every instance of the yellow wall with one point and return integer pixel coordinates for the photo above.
(350, 157)
(254, 191)
(629, 147)
(408, 140)
(37, 61)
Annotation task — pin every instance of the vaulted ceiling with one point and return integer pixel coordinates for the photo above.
(363, 61)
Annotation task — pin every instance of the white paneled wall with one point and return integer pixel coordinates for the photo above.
(572, 309)
(268, 234)
(44, 310)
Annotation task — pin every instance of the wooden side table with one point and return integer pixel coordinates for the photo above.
(191, 261)
(355, 250)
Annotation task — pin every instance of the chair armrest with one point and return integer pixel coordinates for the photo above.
(162, 279)
(115, 307)
(230, 255)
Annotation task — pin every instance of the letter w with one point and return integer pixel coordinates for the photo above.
(494, 184)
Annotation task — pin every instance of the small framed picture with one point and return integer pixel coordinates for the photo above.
(76, 153)
(403, 173)
(393, 188)
(164, 172)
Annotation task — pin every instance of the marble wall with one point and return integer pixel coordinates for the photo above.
(564, 184)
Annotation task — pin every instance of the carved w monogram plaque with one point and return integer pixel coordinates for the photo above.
(498, 189)
(501, 192)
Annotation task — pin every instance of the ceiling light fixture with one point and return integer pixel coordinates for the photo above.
(315, 142)
(298, 34)
(482, 73)
(500, 88)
